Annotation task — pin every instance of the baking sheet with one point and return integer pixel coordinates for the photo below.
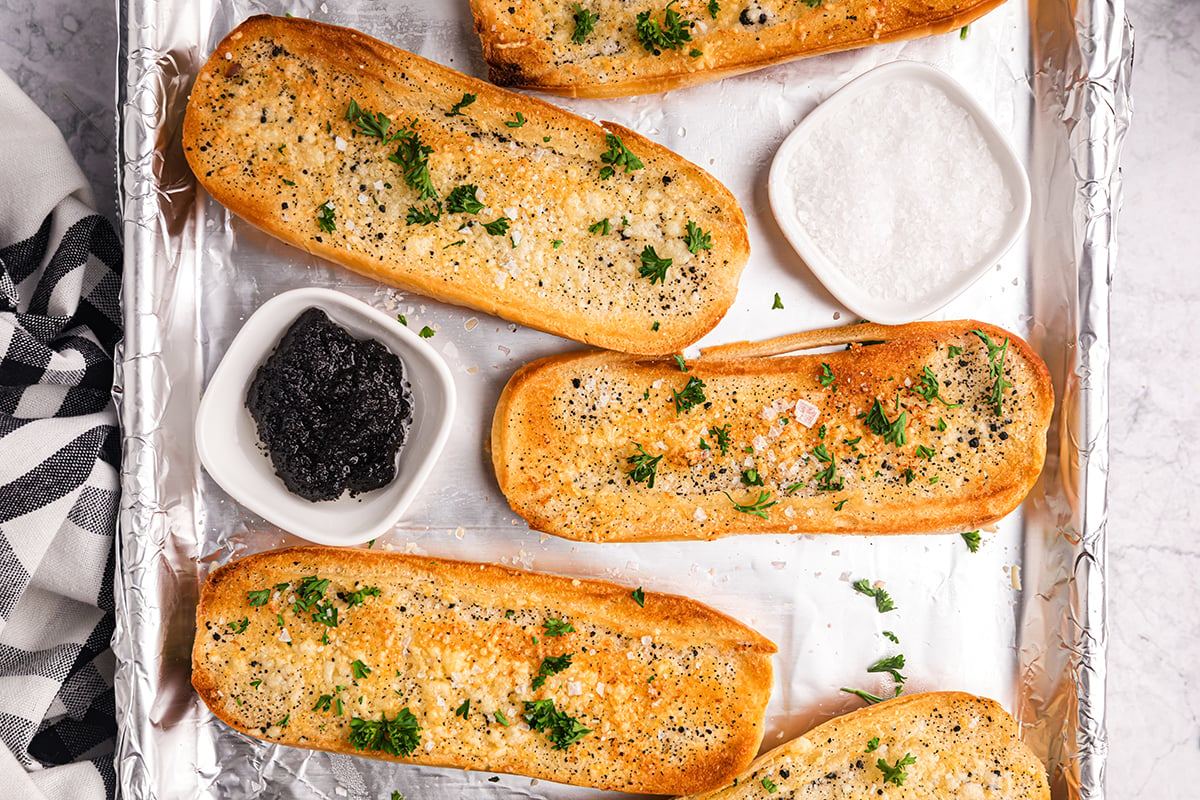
(1020, 621)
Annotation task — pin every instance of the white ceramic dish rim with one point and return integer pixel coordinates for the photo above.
(227, 440)
(783, 206)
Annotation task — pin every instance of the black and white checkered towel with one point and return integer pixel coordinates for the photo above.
(59, 452)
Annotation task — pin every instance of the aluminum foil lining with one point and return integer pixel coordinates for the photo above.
(1022, 620)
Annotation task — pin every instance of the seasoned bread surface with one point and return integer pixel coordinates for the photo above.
(907, 438)
(951, 745)
(669, 695)
(270, 132)
(538, 44)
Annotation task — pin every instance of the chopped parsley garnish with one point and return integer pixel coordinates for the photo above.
(426, 332)
(359, 596)
(691, 396)
(669, 35)
(654, 327)
(424, 215)
(240, 626)
(869, 698)
(398, 737)
(413, 157)
(821, 453)
(324, 703)
(750, 477)
(325, 218)
(585, 22)
(930, 389)
(462, 200)
(259, 597)
(954, 351)
(758, 508)
(828, 480)
(602, 227)
(551, 665)
(368, 124)
(639, 597)
(283, 722)
(456, 110)
(891, 430)
(359, 669)
(941, 424)
(722, 435)
(464, 709)
(924, 452)
(653, 267)
(680, 362)
(555, 627)
(713, 8)
(403, 320)
(561, 729)
(838, 505)
(962, 34)
(896, 774)
(827, 377)
(498, 226)
(769, 785)
(909, 476)
(872, 745)
(557, 243)
(644, 467)
(892, 636)
(617, 155)
(518, 122)
(891, 665)
(778, 303)
(794, 487)
(697, 239)
(996, 355)
(500, 718)
(883, 601)
(256, 683)
(972, 538)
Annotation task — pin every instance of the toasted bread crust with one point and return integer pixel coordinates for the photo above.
(267, 134)
(532, 47)
(674, 692)
(964, 746)
(567, 428)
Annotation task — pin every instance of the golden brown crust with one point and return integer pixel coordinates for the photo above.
(674, 692)
(566, 428)
(266, 134)
(531, 46)
(962, 746)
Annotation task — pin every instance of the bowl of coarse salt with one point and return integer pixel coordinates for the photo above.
(898, 192)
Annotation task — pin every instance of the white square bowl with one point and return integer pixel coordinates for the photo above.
(894, 311)
(227, 437)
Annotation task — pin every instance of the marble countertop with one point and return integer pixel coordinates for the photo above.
(63, 53)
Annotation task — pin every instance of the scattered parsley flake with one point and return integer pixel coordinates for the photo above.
(680, 362)
(498, 226)
(368, 124)
(883, 601)
(518, 122)
(892, 666)
(722, 436)
(500, 718)
(463, 200)
(713, 8)
(670, 34)
(645, 466)
(758, 508)
(617, 155)
(259, 597)
(413, 157)
(896, 774)
(464, 709)
(972, 538)
(398, 736)
(639, 596)
(892, 636)
(424, 215)
(585, 23)
(872, 745)
(750, 477)
(555, 627)
(827, 377)
(697, 239)
(426, 332)
(653, 267)
(769, 785)
(602, 227)
(359, 669)
(996, 355)
(326, 217)
(551, 665)
(867, 697)
(239, 626)
(561, 729)
(456, 109)
(691, 396)
(778, 303)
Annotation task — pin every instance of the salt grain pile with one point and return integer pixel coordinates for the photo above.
(900, 191)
